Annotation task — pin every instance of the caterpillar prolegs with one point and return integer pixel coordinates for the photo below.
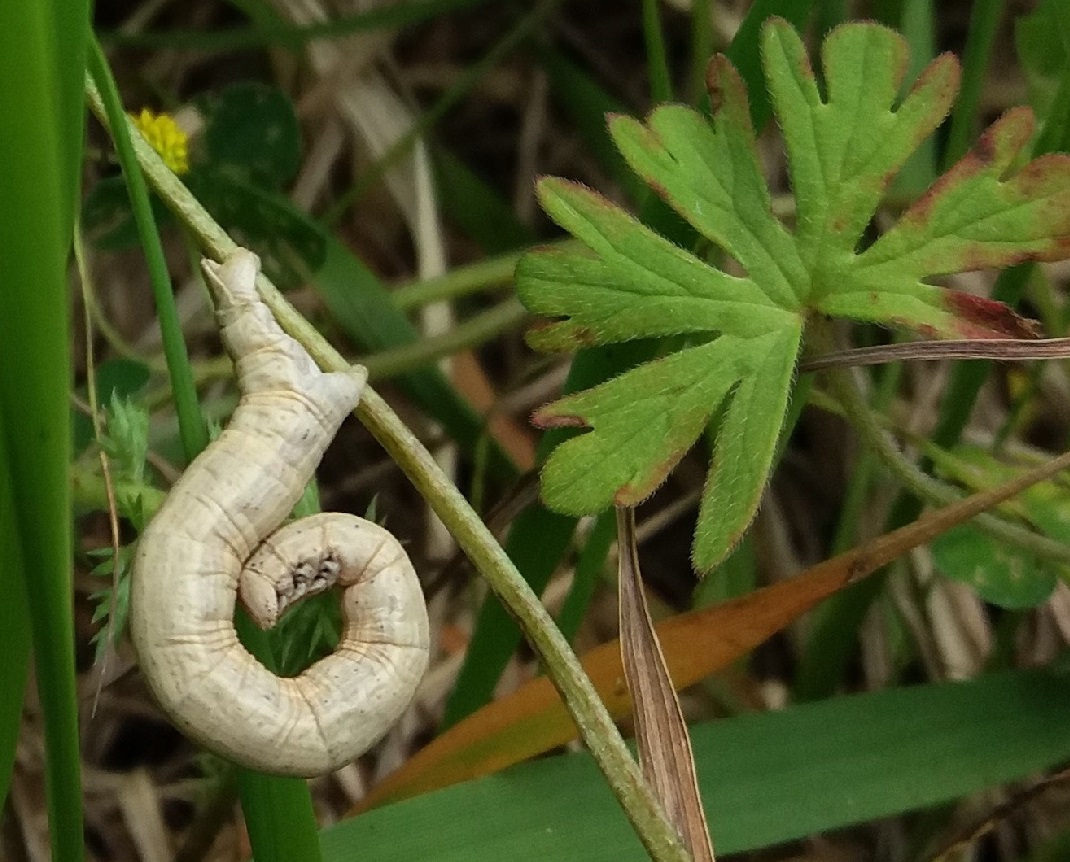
(217, 536)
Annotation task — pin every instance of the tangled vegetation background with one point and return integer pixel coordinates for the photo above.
(382, 160)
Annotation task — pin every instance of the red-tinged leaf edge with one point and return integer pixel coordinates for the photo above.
(544, 418)
(631, 495)
(988, 318)
(543, 335)
(996, 148)
(720, 76)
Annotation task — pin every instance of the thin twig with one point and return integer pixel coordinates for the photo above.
(1000, 350)
(105, 467)
(919, 483)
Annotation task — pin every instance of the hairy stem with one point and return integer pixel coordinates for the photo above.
(579, 695)
(919, 483)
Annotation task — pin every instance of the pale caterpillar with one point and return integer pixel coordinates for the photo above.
(216, 535)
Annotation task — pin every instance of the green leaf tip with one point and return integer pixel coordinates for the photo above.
(737, 328)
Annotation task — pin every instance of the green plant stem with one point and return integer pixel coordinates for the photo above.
(1055, 135)
(830, 638)
(477, 330)
(462, 281)
(88, 493)
(578, 694)
(984, 21)
(701, 51)
(213, 812)
(657, 62)
(191, 426)
(921, 484)
(594, 723)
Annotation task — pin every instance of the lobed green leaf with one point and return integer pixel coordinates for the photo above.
(711, 176)
(744, 448)
(844, 152)
(636, 284)
(845, 144)
(643, 422)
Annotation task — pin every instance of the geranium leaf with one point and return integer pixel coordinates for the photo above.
(711, 176)
(643, 423)
(636, 284)
(845, 150)
(979, 215)
(845, 144)
(743, 453)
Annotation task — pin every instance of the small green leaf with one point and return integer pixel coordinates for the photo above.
(127, 438)
(845, 145)
(1043, 48)
(252, 129)
(979, 215)
(111, 613)
(123, 377)
(712, 177)
(745, 445)
(845, 150)
(1001, 575)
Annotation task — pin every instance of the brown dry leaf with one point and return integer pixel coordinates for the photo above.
(532, 719)
(660, 731)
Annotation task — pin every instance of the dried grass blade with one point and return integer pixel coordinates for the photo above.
(661, 733)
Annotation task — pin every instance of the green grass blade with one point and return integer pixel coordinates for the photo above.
(485, 275)
(278, 811)
(767, 778)
(701, 51)
(984, 21)
(590, 563)
(41, 57)
(917, 26)
(191, 426)
(657, 60)
(14, 630)
(476, 208)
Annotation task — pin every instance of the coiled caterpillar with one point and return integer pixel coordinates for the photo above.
(216, 535)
